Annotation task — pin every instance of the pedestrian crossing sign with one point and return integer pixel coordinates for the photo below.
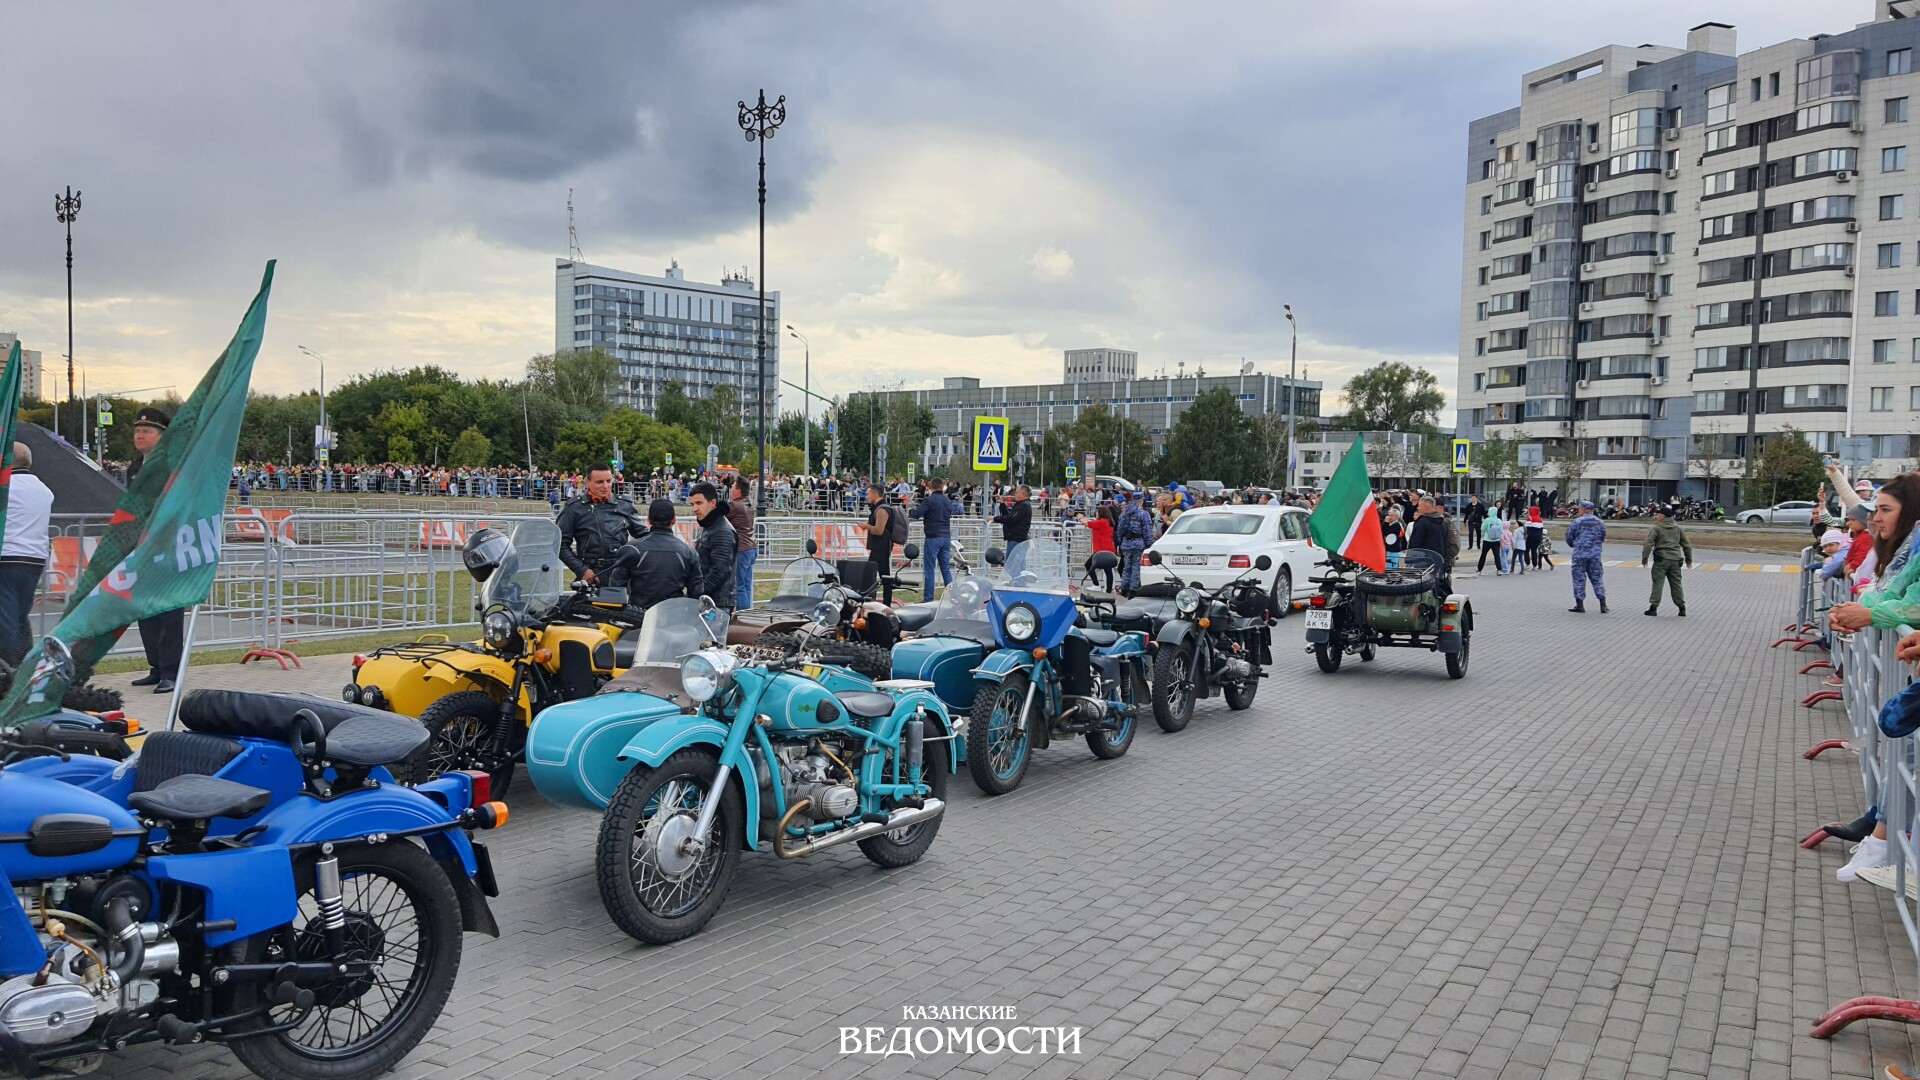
(1462, 454)
(990, 444)
(1073, 472)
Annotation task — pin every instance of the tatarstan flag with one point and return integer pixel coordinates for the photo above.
(9, 412)
(161, 548)
(1346, 522)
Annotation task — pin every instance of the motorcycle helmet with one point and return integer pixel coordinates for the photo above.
(483, 553)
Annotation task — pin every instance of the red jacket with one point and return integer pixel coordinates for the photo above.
(1857, 550)
(1102, 531)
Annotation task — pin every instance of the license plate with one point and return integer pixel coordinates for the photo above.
(1319, 620)
(1189, 560)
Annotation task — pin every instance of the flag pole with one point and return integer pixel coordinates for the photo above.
(180, 675)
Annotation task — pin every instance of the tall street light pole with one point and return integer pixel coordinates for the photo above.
(322, 436)
(1293, 362)
(760, 121)
(65, 209)
(806, 403)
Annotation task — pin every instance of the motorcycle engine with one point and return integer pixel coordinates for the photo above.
(814, 777)
(75, 929)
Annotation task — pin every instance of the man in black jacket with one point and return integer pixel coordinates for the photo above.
(595, 526)
(1476, 517)
(667, 568)
(1015, 519)
(163, 636)
(716, 545)
(1433, 532)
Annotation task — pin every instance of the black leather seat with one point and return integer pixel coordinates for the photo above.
(914, 616)
(200, 798)
(244, 714)
(865, 704)
(624, 651)
(381, 739)
(167, 754)
(1098, 636)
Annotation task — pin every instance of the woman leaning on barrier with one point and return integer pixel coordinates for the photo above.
(1895, 596)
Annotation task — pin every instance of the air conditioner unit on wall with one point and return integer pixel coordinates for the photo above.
(1584, 383)
(1660, 258)
(1653, 297)
(1586, 305)
(1529, 200)
(1673, 134)
(1859, 127)
(1659, 379)
(1593, 148)
(1853, 226)
(1843, 176)
(1592, 186)
(1587, 268)
(1655, 340)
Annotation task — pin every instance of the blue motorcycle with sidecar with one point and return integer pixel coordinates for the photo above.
(696, 755)
(256, 879)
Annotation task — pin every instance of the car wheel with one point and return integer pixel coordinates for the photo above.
(1754, 519)
(1283, 593)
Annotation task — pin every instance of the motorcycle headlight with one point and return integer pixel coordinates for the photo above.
(706, 673)
(826, 613)
(1186, 601)
(497, 629)
(1022, 623)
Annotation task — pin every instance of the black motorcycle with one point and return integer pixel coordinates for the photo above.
(1217, 640)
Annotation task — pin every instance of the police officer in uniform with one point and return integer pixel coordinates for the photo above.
(595, 526)
(164, 635)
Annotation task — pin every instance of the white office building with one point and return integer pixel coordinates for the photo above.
(1101, 365)
(30, 364)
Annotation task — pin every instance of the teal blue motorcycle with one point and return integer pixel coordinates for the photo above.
(1054, 674)
(696, 755)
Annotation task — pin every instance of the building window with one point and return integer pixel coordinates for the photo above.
(1880, 399)
(1886, 303)
(1483, 275)
(1634, 128)
(1480, 311)
(1725, 138)
(1893, 159)
(1486, 238)
(1719, 183)
(1883, 350)
(1666, 285)
(1835, 74)
(1892, 207)
(1913, 399)
(1899, 61)
(1889, 256)
(1479, 346)
(1773, 84)
(1896, 110)
(1720, 104)
(1756, 89)
(1479, 381)
(1486, 204)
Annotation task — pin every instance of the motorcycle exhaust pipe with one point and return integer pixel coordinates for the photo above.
(899, 819)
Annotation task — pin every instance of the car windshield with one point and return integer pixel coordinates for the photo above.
(530, 574)
(965, 600)
(1215, 525)
(802, 578)
(675, 628)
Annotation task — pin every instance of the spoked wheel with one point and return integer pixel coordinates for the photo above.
(1327, 656)
(657, 883)
(1457, 662)
(1110, 743)
(460, 736)
(403, 919)
(998, 743)
(902, 847)
(1173, 688)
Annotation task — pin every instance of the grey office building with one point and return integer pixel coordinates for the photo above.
(668, 329)
(1674, 254)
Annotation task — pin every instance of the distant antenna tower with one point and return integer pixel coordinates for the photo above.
(573, 234)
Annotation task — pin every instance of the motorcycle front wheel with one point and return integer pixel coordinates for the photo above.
(654, 888)
(460, 736)
(401, 913)
(1173, 689)
(998, 743)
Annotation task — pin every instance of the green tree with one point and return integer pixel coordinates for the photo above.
(1493, 460)
(674, 407)
(581, 379)
(1394, 397)
(471, 450)
(1212, 440)
(1116, 441)
(1788, 468)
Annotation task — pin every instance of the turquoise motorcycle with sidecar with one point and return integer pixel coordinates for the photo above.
(695, 755)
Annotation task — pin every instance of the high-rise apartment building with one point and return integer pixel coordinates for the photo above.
(668, 329)
(1101, 365)
(29, 364)
(1673, 255)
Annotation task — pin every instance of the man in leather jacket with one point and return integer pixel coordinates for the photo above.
(595, 526)
(667, 568)
(716, 545)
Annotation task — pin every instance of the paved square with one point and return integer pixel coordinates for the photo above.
(1580, 861)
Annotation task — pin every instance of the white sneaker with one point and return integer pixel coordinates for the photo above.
(1871, 852)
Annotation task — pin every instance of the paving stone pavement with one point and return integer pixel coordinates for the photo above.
(1580, 861)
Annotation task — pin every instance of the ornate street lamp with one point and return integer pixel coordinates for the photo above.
(760, 121)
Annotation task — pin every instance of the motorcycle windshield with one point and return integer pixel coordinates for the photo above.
(1045, 569)
(964, 601)
(675, 628)
(530, 574)
(802, 578)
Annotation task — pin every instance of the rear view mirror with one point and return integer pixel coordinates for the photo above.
(1263, 563)
(996, 557)
(1153, 558)
(911, 551)
(812, 547)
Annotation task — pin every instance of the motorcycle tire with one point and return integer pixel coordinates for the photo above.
(1240, 697)
(1367, 653)
(1328, 657)
(401, 867)
(459, 736)
(914, 840)
(1172, 668)
(873, 661)
(614, 860)
(980, 742)
(83, 698)
(1457, 662)
(1107, 745)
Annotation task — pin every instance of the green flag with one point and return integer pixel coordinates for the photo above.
(162, 546)
(9, 411)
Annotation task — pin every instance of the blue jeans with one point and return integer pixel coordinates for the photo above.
(1017, 559)
(937, 550)
(743, 578)
(18, 584)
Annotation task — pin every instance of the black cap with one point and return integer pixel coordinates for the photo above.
(151, 418)
(660, 512)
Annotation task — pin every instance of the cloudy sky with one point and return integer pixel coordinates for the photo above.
(960, 187)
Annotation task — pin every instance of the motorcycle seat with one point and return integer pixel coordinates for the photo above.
(200, 798)
(1098, 636)
(865, 704)
(167, 754)
(914, 616)
(381, 739)
(245, 714)
(625, 650)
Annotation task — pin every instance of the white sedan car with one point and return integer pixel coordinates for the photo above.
(1211, 545)
(1786, 513)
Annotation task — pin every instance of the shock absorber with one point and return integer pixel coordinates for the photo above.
(915, 745)
(326, 890)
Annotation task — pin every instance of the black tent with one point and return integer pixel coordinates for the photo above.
(79, 486)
